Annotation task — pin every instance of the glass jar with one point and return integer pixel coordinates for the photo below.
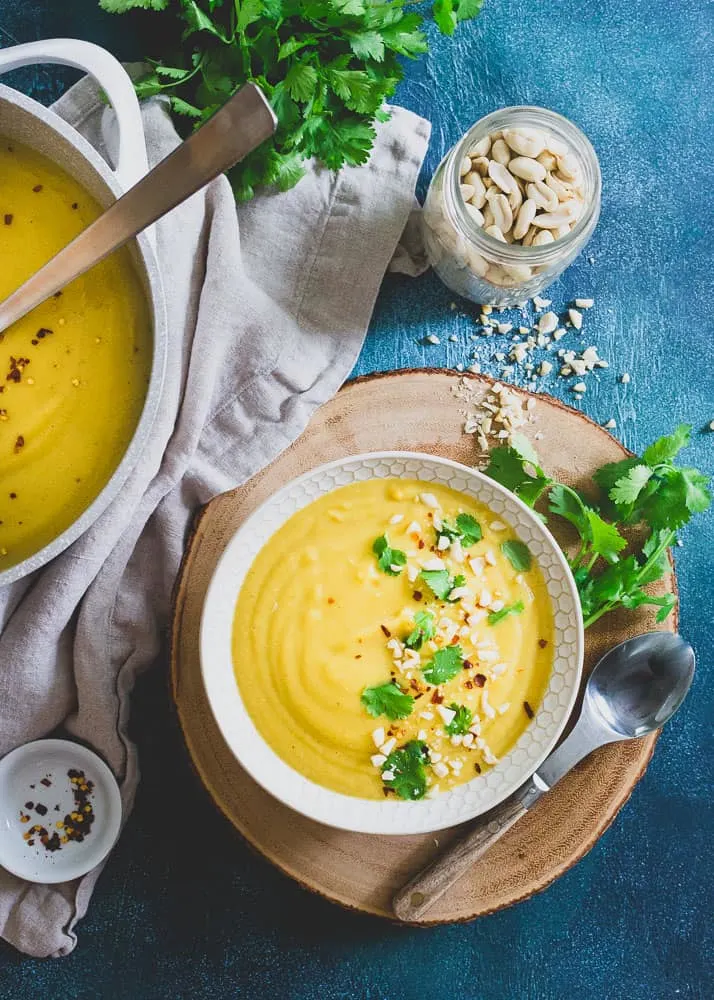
(478, 265)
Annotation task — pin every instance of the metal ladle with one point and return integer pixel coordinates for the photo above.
(632, 691)
(244, 121)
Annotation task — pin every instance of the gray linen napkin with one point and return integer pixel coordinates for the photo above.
(267, 311)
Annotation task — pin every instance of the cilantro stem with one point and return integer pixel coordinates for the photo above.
(592, 562)
(184, 79)
(662, 547)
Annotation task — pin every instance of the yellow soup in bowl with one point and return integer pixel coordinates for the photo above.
(74, 372)
(393, 638)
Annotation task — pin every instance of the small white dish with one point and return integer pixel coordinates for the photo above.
(50, 760)
(390, 816)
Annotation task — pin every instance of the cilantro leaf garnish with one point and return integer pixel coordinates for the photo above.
(649, 491)
(387, 699)
(510, 609)
(423, 630)
(465, 528)
(407, 764)
(447, 663)
(390, 561)
(441, 583)
(469, 530)
(461, 722)
(518, 554)
(328, 67)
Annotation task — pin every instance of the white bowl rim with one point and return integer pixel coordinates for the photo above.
(298, 791)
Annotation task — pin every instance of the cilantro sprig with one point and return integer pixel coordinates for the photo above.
(518, 554)
(387, 699)
(423, 630)
(510, 609)
(649, 492)
(326, 66)
(407, 764)
(440, 582)
(390, 561)
(465, 528)
(447, 663)
(461, 722)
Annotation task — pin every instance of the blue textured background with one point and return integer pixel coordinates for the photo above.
(203, 917)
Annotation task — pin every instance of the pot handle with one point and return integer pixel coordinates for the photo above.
(131, 162)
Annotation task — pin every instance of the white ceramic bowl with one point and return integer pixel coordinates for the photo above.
(26, 766)
(389, 816)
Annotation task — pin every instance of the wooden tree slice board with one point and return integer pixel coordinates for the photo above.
(415, 411)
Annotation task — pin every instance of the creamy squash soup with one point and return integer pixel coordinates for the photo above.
(74, 372)
(393, 638)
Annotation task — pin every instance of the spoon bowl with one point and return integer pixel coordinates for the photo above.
(640, 684)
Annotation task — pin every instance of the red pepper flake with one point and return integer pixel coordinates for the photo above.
(467, 664)
(542, 643)
(528, 710)
(37, 188)
(386, 631)
(477, 768)
(330, 600)
(417, 595)
(43, 332)
(17, 367)
(454, 641)
(468, 684)
(8, 219)
(19, 444)
(421, 543)
(480, 680)
(437, 697)
(13, 496)
(358, 656)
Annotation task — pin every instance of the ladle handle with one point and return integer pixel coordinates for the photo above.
(238, 127)
(421, 892)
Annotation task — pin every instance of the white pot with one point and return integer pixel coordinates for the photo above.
(28, 122)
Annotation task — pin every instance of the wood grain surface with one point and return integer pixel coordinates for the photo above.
(410, 410)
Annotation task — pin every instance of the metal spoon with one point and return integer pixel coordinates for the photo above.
(244, 121)
(633, 690)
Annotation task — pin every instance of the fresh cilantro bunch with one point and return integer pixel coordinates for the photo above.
(326, 66)
(650, 493)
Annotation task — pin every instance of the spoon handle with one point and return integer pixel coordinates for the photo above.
(421, 892)
(238, 127)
